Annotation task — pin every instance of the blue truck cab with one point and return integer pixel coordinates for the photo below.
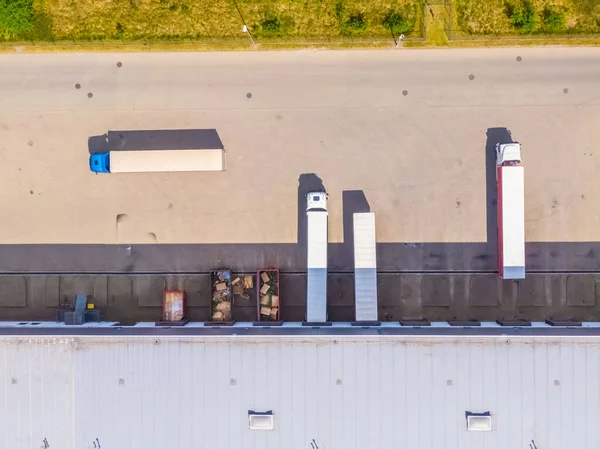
(100, 162)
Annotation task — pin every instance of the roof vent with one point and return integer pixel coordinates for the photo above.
(260, 420)
(480, 422)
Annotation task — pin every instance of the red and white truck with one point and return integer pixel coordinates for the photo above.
(511, 211)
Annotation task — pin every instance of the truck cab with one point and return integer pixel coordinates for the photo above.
(316, 202)
(508, 154)
(100, 162)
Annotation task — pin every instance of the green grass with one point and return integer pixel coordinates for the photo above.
(436, 31)
(211, 20)
(325, 19)
(277, 23)
(16, 19)
(510, 17)
(522, 15)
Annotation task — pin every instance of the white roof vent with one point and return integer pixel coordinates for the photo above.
(479, 422)
(260, 420)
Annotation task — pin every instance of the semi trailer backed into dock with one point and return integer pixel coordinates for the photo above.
(511, 211)
(316, 291)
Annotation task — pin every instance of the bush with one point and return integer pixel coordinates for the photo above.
(120, 31)
(16, 19)
(522, 15)
(357, 22)
(272, 26)
(553, 19)
(397, 23)
(350, 24)
(340, 12)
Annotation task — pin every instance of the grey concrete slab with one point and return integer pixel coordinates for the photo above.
(533, 291)
(340, 290)
(196, 314)
(13, 291)
(197, 290)
(36, 291)
(395, 313)
(119, 290)
(293, 313)
(399, 296)
(52, 296)
(460, 294)
(100, 291)
(509, 297)
(340, 313)
(393, 290)
(293, 291)
(483, 291)
(556, 290)
(581, 291)
(436, 291)
(148, 290)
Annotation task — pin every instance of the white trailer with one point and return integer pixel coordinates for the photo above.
(143, 161)
(316, 292)
(365, 267)
(511, 211)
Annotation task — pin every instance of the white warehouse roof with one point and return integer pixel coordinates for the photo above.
(343, 392)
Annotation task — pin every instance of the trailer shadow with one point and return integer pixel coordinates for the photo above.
(156, 139)
(494, 136)
(307, 182)
(353, 201)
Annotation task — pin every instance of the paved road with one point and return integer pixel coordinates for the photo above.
(408, 129)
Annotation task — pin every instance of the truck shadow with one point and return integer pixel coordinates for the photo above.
(353, 201)
(307, 182)
(156, 139)
(494, 136)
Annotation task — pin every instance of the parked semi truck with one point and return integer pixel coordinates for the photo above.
(140, 161)
(511, 211)
(316, 296)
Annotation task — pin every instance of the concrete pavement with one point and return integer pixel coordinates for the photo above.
(406, 134)
(408, 128)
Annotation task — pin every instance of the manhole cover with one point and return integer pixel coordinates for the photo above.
(90, 95)
(471, 77)
(405, 93)
(519, 59)
(248, 95)
(77, 86)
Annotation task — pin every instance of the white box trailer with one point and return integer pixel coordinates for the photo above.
(316, 291)
(365, 267)
(511, 211)
(144, 161)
